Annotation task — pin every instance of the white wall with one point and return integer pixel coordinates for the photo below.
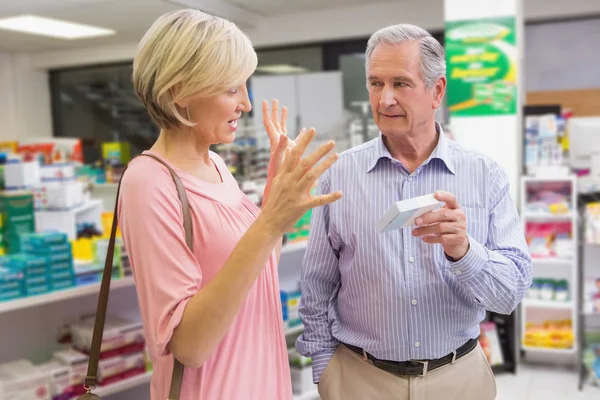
(562, 55)
(25, 108)
(24, 93)
(333, 24)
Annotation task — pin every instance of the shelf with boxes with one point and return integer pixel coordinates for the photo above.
(124, 363)
(45, 271)
(549, 314)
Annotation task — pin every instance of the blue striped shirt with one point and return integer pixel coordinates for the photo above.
(392, 294)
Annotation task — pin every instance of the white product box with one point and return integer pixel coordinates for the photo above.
(22, 175)
(15, 365)
(403, 213)
(58, 195)
(30, 384)
(59, 376)
(76, 361)
(116, 365)
(57, 172)
(117, 333)
(302, 380)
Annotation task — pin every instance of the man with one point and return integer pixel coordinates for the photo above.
(396, 315)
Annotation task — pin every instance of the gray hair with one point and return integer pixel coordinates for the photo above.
(433, 62)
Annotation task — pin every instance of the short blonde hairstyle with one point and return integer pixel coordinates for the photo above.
(188, 53)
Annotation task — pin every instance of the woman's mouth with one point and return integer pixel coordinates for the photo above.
(233, 124)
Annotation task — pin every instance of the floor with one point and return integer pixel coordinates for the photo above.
(543, 383)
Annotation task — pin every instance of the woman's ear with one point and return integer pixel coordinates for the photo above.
(179, 102)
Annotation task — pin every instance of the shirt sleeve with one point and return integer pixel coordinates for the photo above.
(320, 278)
(166, 272)
(497, 273)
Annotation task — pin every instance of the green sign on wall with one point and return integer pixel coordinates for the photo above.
(481, 57)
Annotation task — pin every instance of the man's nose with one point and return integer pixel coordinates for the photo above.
(387, 97)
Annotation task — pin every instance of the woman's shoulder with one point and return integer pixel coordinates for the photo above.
(144, 176)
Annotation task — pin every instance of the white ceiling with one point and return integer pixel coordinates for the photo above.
(131, 18)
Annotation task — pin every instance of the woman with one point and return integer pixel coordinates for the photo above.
(216, 309)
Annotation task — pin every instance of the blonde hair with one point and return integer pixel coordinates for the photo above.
(187, 53)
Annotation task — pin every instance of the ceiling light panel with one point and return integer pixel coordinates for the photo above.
(50, 27)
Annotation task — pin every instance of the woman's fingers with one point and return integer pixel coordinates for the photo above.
(324, 199)
(297, 152)
(311, 176)
(284, 115)
(277, 156)
(275, 115)
(268, 124)
(309, 161)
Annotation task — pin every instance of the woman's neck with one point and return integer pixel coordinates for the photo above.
(184, 151)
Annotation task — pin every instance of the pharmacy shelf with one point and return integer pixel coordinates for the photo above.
(549, 350)
(294, 330)
(311, 395)
(123, 385)
(552, 260)
(567, 265)
(289, 248)
(88, 205)
(105, 185)
(558, 305)
(542, 216)
(61, 295)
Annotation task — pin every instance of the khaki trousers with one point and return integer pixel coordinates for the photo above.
(348, 377)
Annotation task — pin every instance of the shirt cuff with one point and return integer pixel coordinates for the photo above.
(472, 263)
(319, 362)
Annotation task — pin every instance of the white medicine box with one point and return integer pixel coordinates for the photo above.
(403, 213)
(21, 175)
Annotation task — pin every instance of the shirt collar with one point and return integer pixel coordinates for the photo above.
(441, 151)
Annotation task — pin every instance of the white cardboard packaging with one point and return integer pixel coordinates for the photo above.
(76, 361)
(117, 333)
(59, 378)
(22, 175)
(27, 384)
(403, 213)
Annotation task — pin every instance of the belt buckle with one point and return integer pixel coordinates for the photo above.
(425, 366)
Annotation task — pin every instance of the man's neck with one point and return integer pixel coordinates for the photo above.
(414, 148)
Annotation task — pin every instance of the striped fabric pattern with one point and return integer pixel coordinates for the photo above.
(392, 294)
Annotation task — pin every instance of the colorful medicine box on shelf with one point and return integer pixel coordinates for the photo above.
(290, 302)
(34, 270)
(55, 249)
(12, 284)
(16, 218)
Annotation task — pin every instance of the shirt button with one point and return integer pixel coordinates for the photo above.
(411, 259)
(410, 178)
(458, 272)
(414, 302)
(417, 344)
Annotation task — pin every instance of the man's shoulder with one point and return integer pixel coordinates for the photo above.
(468, 158)
(360, 154)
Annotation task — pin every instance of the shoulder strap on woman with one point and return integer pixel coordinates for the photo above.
(178, 368)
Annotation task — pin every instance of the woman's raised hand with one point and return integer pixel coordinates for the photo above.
(289, 197)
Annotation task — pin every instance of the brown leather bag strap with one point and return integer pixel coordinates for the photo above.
(178, 368)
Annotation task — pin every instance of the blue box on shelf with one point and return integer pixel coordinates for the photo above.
(12, 284)
(290, 302)
(44, 239)
(31, 265)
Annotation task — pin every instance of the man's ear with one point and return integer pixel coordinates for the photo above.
(439, 90)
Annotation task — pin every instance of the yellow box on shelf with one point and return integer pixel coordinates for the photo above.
(83, 249)
(116, 152)
(107, 220)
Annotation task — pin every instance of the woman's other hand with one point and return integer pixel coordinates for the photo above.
(290, 196)
(276, 127)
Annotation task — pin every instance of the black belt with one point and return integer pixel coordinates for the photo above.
(416, 367)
